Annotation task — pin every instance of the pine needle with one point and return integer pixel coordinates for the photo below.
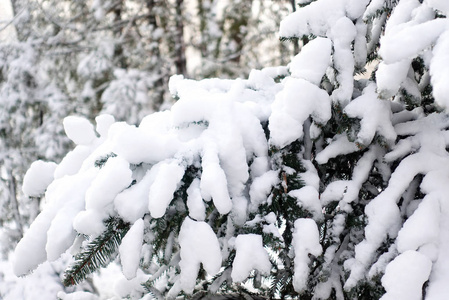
(98, 253)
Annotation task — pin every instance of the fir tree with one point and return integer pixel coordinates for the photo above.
(305, 181)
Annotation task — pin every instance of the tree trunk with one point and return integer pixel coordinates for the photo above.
(156, 52)
(180, 48)
(12, 184)
(20, 11)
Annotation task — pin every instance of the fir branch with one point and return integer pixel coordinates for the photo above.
(98, 253)
(100, 162)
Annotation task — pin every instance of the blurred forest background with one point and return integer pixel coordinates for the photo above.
(88, 57)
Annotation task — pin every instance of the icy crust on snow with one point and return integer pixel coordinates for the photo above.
(199, 245)
(250, 255)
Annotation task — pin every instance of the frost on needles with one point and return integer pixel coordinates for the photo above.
(303, 180)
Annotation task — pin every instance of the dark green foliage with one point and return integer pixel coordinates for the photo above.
(98, 253)
(100, 162)
(367, 290)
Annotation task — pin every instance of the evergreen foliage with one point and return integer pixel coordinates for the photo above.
(97, 253)
(306, 181)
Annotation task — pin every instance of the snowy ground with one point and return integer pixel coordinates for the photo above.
(45, 282)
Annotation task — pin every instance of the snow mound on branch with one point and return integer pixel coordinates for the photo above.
(398, 45)
(308, 198)
(340, 145)
(250, 255)
(199, 245)
(79, 130)
(130, 249)
(104, 121)
(293, 105)
(439, 71)
(114, 177)
(423, 226)
(161, 192)
(405, 275)
(195, 204)
(441, 5)
(313, 60)
(306, 240)
(38, 177)
(375, 120)
(213, 181)
(65, 192)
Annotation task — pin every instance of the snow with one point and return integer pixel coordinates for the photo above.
(293, 105)
(372, 8)
(423, 226)
(165, 184)
(405, 276)
(410, 41)
(439, 74)
(132, 203)
(250, 255)
(77, 296)
(195, 204)
(341, 145)
(401, 15)
(104, 121)
(79, 130)
(38, 177)
(137, 145)
(130, 249)
(199, 245)
(228, 131)
(308, 198)
(383, 213)
(43, 283)
(213, 180)
(311, 63)
(262, 186)
(391, 76)
(112, 178)
(315, 18)
(62, 192)
(71, 163)
(60, 235)
(441, 5)
(375, 120)
(129, 289)
(343, 33)
(306, 240)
